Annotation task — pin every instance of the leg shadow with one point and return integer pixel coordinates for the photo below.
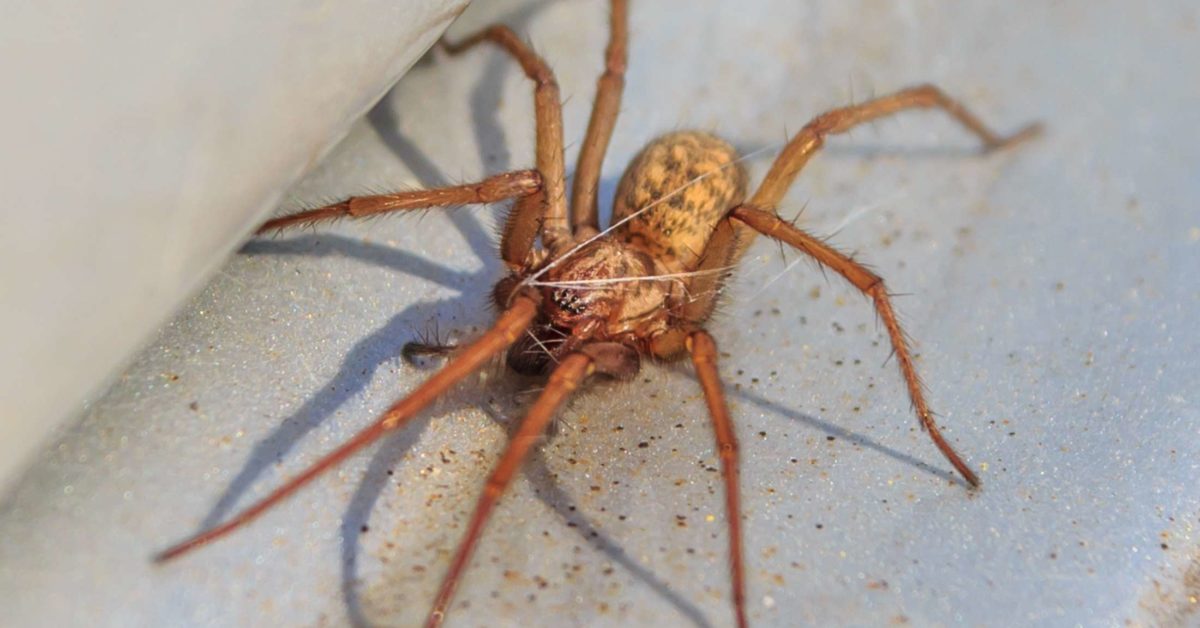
(831, 429)
(550, 494)
(367, 356)
(375, 254)
(385, 123)
(554, 497)
(358, 513)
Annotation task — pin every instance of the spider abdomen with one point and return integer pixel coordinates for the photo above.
(679, 186)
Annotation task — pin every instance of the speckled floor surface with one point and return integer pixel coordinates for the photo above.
(1053, 301)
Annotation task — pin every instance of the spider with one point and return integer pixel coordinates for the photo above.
(578, 301)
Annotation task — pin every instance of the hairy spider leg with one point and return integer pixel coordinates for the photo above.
(565, 378)
(871, 285)
(811, 138)
(702, 290)
(704, 357)
(494, 189)
(509, 326)
(605, 108)
(544, 213)
(759, 214)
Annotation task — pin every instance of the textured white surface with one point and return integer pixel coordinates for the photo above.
(142, 141)
(1054, 300)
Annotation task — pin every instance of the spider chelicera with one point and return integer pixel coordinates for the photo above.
(590, 302)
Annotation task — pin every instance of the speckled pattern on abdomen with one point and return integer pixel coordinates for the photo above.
(676, 230)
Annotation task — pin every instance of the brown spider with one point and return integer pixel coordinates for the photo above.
(595, 302)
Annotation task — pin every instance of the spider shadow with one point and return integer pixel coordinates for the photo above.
(379, 347)
(831, 429)
(488, 92)
(548, 491)
(369, 353)
(367, 356)
(386, 124)
(552, 495)
(358, 513)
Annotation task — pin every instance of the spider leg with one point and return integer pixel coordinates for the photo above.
(428, 343)
(702, 290)
(600, 127)
(565, 378)
(496, 188)
(870, 284)
(413, 350)
(509, 326)
(704, 357)
(810, 139)
(547, 209)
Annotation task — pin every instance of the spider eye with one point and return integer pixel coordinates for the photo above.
(568, 301)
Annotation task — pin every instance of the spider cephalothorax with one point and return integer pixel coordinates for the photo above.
(606, 290)
(596, 302)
